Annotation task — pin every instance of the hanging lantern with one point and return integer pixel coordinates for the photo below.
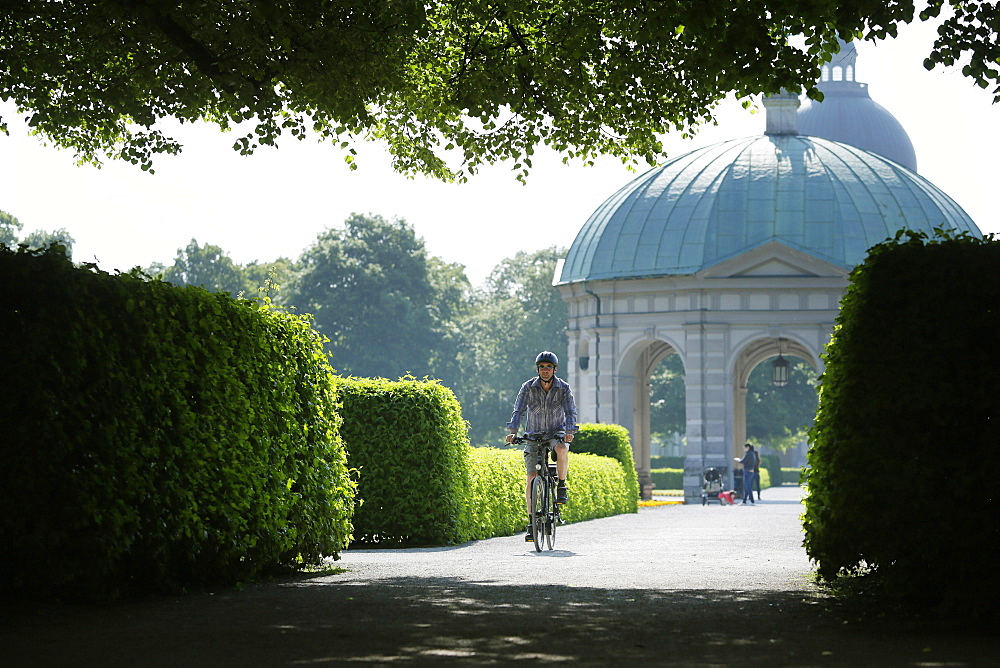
(779, 371)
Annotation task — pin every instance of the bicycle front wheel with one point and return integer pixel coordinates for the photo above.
(538, 511)
(551, 515)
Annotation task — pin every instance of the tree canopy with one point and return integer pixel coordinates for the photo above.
(211, 268)
(448, 85)
(368, 284)
(10, 227)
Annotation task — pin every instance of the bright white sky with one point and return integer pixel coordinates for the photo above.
(275, 203)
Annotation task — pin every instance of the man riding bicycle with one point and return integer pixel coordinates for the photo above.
(547, 403)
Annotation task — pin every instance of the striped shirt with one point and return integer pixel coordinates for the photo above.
(551, 413)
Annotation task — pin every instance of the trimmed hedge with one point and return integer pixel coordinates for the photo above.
(667, 478)
(908, 423)
(674, 478)
(600, 488)
(420, 483)
(157, 438)
(410, 446)
(791, 475)
(666, 462)
(496, 504)
(609, 440)
(771, 464)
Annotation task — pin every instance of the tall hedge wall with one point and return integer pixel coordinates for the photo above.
(410, 446)
(157, 437)
(610, 440)
(902, 468)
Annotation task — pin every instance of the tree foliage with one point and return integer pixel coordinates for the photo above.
(210, 267)
(390, 310)
(448, 84)
(10, 228)
(369, 286)
(667, 400)
(207, 267)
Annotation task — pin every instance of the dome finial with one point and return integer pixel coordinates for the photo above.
(782, 114)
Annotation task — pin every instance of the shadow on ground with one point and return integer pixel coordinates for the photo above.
(431, 621)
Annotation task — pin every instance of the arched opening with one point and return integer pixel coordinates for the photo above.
(791, 406)
(657, 386)
(777, 418)
(667, 413)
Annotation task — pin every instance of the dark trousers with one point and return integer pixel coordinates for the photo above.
(748, 477)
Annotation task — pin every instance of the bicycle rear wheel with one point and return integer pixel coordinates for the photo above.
(551, 512)
(538, 511)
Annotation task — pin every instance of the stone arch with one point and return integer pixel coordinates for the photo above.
(747, 357)
(636, 367)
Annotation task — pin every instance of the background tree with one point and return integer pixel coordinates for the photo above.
(268, 278)
(779, 417)
(480, 81)
(515, 315)
(205, 266)
(667, 399)
(211, 268)
(368, 286)
(451, 303)
(10, 227)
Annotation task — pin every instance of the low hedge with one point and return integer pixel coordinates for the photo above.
(772, 464)
(674, 478)
(421, 483)
(496, 505)
(667, 462)
(667, 478)
(791, 475)
(609, 440)
(410, 447)
(157, 438)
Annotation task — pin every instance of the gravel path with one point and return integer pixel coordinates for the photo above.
(670, 586)
(666, 547)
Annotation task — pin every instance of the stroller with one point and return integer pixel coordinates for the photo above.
(711, 488)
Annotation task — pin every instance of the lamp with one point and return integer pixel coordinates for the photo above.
(779, 371)
(779, 368)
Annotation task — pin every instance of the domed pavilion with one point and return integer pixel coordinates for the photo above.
(733, 254)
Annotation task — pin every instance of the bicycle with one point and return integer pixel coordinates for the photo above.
(545, 512)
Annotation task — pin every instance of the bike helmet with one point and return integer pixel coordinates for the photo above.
(546, 356)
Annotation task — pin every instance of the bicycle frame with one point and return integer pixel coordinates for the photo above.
(544, 510)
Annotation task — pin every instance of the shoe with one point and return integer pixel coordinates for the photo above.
(528, 537)
(562, 496)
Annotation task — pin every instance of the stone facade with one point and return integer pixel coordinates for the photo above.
(722, 322)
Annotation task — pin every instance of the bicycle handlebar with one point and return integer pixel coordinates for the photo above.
(518, 440)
